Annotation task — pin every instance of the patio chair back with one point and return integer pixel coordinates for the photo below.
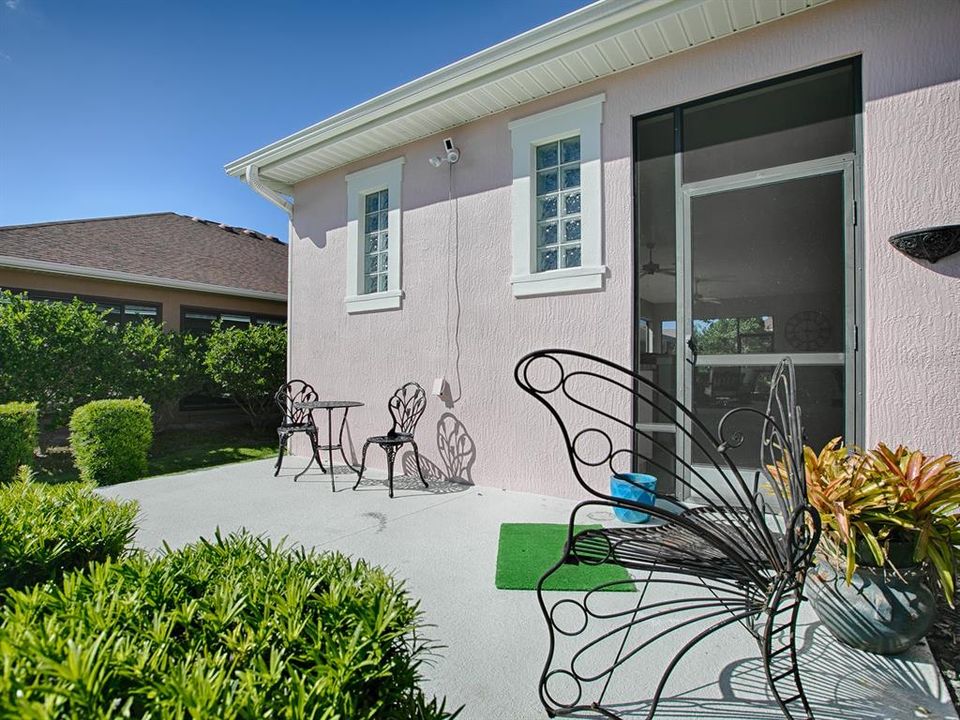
(593, 401)
(406, 407)
(293, 392)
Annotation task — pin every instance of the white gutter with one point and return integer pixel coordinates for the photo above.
(253, 180)
(46, 266)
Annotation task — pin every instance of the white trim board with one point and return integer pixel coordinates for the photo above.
(385, 176)
(45, 266)
(582, 118)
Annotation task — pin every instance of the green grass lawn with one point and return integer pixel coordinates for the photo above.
(176, 451)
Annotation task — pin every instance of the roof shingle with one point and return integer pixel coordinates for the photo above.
(161, 245)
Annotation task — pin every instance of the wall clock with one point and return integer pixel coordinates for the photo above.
(807, 330)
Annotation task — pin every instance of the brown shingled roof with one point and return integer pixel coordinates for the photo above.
(163, 245)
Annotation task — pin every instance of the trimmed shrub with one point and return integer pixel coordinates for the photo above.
(46, 530)
(110, 440)
(233, 628)
(18, 437)
(249, 365)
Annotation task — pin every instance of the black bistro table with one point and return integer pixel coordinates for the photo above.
(329, 406)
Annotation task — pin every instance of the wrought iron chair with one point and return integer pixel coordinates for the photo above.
(294, 419)
(406, 407)
(723, 550)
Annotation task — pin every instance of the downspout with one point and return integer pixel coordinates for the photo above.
(256, 184)
(254, 181)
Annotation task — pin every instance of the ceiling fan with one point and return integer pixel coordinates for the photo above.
(698, 297)
(652, 268)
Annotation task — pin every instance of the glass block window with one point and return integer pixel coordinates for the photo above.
(375, 242)
(558, 204)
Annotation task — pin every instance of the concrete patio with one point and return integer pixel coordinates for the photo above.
(443, 542)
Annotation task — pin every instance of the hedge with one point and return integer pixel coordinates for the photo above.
(46, 530)
(233, 628)
(249, 365)
(18, 437)
(110, 440)
(64, 354)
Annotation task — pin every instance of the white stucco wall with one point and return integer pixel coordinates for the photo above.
(911, 160)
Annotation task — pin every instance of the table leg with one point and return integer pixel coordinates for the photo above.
(340, 444)
(333, 475)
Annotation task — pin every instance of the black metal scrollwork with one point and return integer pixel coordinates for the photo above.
(719, 550)
(931, 244)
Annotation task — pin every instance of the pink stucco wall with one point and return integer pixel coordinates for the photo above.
(911, 160)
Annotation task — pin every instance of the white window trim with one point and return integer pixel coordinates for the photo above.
(583, 118)
(386, 176)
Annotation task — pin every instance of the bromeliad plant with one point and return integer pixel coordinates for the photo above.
(886, 507)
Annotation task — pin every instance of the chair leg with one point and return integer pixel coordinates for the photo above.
(391, 451)
(279, 463)
(363, 464)
(416, 454)
(778, 646)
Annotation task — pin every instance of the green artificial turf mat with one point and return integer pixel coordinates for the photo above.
(528, 550)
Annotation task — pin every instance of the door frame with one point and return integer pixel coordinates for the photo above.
(845, 165)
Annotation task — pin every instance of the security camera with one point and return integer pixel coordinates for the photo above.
(451, 154)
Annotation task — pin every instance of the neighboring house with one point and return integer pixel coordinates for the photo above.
(692, 188)
(182, 271)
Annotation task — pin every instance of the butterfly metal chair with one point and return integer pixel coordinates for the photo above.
(295, 420)
(406, 407)
(722, 547)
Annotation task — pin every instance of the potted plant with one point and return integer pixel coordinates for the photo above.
(890, 531)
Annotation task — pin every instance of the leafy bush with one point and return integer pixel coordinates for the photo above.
(249, 365)
(46, 530)
(110, 440)
(18, 437)
(158, 366)
(234, 628)
(59, 355)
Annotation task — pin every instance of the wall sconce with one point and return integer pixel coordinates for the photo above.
(930, 244)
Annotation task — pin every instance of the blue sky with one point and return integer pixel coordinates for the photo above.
(115, 107)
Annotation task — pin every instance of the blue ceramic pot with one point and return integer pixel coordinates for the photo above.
(636, 487)
(880, 611)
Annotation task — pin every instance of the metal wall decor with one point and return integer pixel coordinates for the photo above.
(934, 243)
(733, 552)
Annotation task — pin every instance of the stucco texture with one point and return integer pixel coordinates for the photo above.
(502, 438)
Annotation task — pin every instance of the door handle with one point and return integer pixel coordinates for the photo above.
(694, 350)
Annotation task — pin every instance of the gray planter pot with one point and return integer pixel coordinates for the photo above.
(880, 611)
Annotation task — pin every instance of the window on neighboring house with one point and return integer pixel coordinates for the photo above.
(374, 238)
(557, 200)
(375, 241)
(118, 312)
(558, 204)
(201, 321)
(132, 313)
